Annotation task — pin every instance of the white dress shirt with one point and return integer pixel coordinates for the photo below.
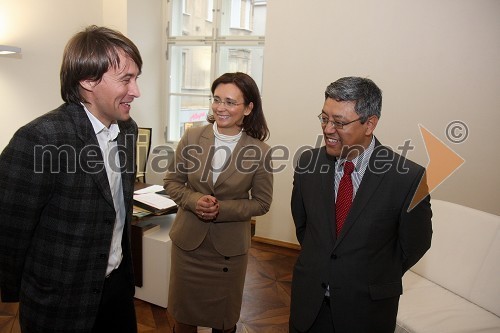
(109, 147)
(360, 165)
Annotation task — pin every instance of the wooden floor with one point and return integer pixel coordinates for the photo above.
(266, 297)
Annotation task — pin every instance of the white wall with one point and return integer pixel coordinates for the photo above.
(29, 83)
(436, 61)
(145, 29)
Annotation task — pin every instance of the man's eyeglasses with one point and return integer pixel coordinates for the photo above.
(336, 124)
(228, 103)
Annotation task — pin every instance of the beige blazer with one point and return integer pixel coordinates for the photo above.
(243, 189)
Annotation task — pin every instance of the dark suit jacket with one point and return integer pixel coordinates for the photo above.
(243, 189)
(57, 218)
(379, 241)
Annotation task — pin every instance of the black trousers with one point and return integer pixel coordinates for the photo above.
(116, 311)
(323, 322)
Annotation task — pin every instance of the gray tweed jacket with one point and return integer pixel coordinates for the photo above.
(57, 218)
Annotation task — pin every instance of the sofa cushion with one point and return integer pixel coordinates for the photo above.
(463, 257)
(428, 307)
(486, 289)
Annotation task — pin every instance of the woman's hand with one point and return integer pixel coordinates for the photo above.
(207, 208)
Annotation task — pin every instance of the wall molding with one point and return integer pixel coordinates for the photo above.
(276, 242)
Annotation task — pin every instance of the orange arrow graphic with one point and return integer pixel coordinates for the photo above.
(443, 162)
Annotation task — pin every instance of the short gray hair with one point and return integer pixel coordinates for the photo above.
(364, 92)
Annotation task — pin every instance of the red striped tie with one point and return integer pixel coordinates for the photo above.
(344, 196)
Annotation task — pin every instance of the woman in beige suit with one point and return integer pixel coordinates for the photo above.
(221, 177)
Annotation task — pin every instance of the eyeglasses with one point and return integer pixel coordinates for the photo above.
(336, 124)
(228, 103)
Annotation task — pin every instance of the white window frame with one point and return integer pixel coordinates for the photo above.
(215, 41)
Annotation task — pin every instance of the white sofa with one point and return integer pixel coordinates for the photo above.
(455, 287)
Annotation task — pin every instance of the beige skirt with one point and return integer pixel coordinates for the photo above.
(206, 288)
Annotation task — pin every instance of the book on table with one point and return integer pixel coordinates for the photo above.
(155, 203)
(139, 212)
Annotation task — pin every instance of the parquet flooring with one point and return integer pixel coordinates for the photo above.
(266, 296)
(9, 318)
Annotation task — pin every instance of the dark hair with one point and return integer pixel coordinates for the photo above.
(364, 92)
(255, 123)
(89, 54)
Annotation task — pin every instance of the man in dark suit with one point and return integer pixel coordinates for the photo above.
(66, 196)
(357, 234)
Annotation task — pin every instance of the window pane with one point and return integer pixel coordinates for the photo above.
(191, 18)
(243, 18)
(246, 59)
(189, 87)
(187, 111)
(190, 68)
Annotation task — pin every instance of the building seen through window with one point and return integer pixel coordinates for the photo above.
(206, 38)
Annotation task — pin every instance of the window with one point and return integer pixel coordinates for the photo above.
(206, 38)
